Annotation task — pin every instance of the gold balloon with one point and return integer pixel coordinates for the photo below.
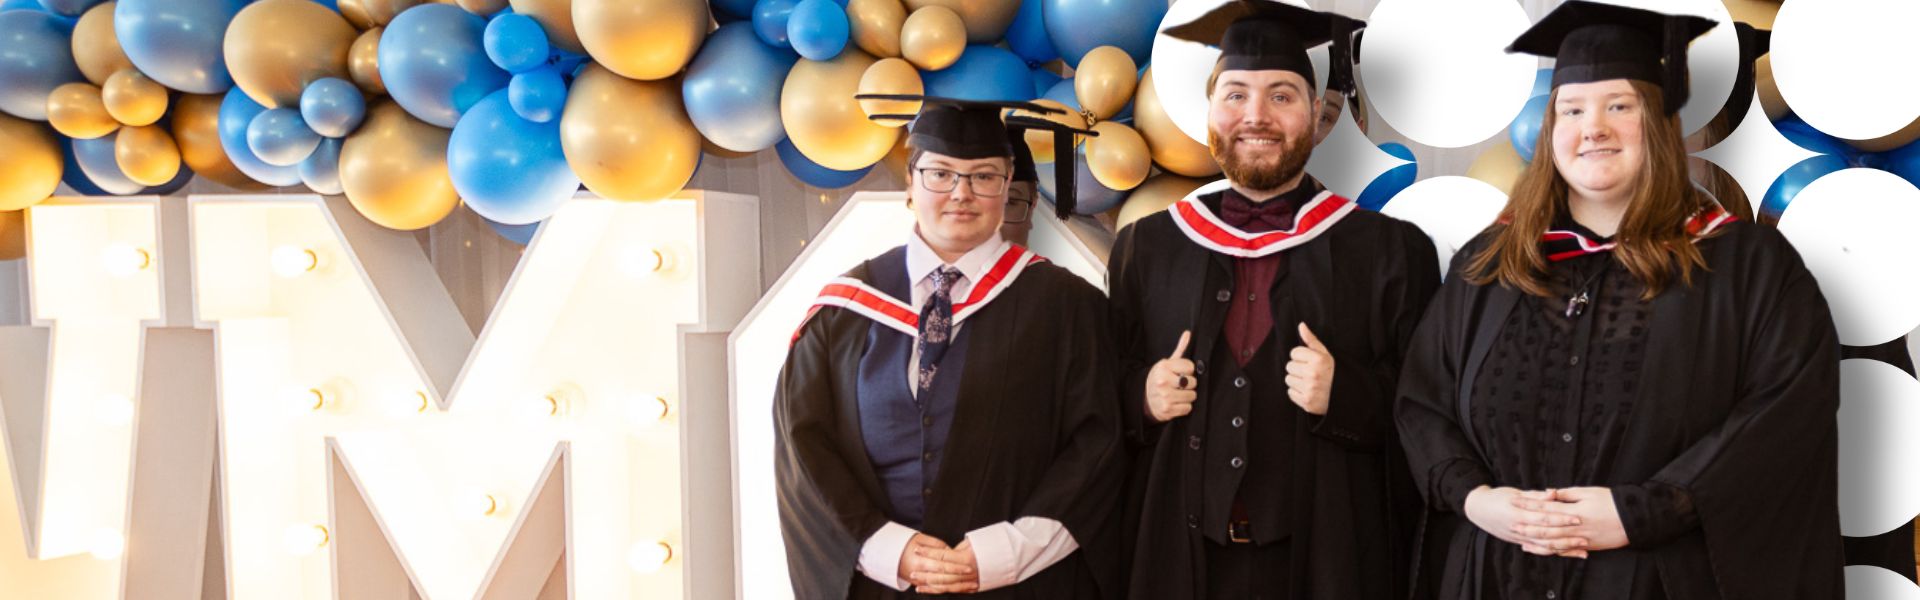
(556, 18)
(896, 160)
(875, 25)
(13, 234)
(394, 170)
(363, 62)
(196, 129)
(1154, 196)
(824, 121)
(75, 110)
(383, 11)
(986, 20)
(627, 139)
(31, 170)
(933, 37)
(1906, 135)
(1771, 101)
(1040, 143)
(133, 99)
(891, 76)
(274, 48)
(355, 12)
(146, 154)
(1118, 156)
(1500, 166)
(1758, 13)
(96, 49)
(641, 40)
(1171, 148)
(482, 7)
(1104, 81)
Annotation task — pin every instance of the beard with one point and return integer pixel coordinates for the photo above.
(1267, 171)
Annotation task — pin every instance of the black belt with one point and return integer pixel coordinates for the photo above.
(1239, 532)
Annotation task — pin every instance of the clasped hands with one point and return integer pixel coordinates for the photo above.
(934, 568)
(1568, 522)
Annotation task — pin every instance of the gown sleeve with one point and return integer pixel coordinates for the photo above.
(1445, 464)
(824, 515)
(1360, 406)
(1134, 359)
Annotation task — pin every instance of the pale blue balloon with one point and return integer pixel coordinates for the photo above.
(538, 95)
(770, 21)
(434, 64)
(1078, 26)
(516, 42)
(333, 107)
(179, 43)
(321, 171)
(237, 112)
(97, 163)
(818, 29)
(281, 138)
(508, 169)
(732, 89)
(36, 55)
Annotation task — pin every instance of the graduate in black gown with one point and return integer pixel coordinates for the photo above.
(946, 420)
(1261, 329)
(1622, 392)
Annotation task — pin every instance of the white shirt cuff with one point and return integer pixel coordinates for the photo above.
(1009, 553)
(880, 556)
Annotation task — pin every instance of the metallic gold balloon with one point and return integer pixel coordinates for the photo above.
(483, 8)
(1040, 143)
(147, 155)
(13, 234)
(824, 121)
(274, 48)
(1771, 101)
(196, 130)
(31, 170)
(96, 49)
(1158, 193)
(933, 37)
(1906, 135)
(1118, 157)
(556, 17)
(1170, 147)
(363, 62)
(133, 99)
(1104, 81)
(896, 160)
(986, 20)
(394, 170)
(1758, 13)
(75, 110)
(1500, 166)
(874, 25)
(641, 40)
(383, 11)
(891, 76)
(627, 139)
(355, 12)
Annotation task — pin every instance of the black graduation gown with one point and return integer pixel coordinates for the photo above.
(1361, 287)
(1736, 405)
(1034, 434)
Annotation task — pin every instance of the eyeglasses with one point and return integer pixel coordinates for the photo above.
(941, 181)
(1018, 211)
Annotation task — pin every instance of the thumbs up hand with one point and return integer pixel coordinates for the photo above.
(1170, 384)
(1310, 373)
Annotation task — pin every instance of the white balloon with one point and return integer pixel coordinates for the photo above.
(1854, 229)
(1347, 161)
(1840, 64)
(1879, 455)
(1756, 153)
(1439, 73)
(1451, 209)
(1868, 582)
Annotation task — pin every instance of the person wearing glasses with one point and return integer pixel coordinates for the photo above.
(1260, 324)
(946, 419)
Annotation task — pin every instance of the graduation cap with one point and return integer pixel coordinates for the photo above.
(1592, 42)
(972, 129)
(1263, 35)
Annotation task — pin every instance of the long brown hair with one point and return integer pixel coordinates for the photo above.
(1652, 241)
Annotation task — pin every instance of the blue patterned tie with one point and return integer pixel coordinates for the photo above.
(936, 326)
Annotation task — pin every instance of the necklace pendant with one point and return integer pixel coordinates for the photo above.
(1577, 305)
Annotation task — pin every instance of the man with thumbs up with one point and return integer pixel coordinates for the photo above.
(1261, 323)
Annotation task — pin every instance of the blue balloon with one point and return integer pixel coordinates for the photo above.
(178, 43)
(237, 111)
(732, 89)
(1078, 26)
(811, 173)
(37, 57)
(1542, 82)
(1027, 36)
(1386, 186)
(1524, 133)
(506, 168)
(516, 42)
(434, 65)
(1903, 161)
(1397, 150)
(770, 21)
(818, 29)
(518, 234)
(538, 95)
(321, 171)
(1805, 136)
(69, 8)
(1796, 178)
(1043, 81)
(73, 175)
(281, 138)
(333, 107)
(1092, 197)
(6, 5)
(96, 161)
(728, 11)
(982, 73)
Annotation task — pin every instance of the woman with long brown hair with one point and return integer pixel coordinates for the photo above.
(1623, 392)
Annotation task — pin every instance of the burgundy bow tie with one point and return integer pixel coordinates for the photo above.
(1273, 215)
